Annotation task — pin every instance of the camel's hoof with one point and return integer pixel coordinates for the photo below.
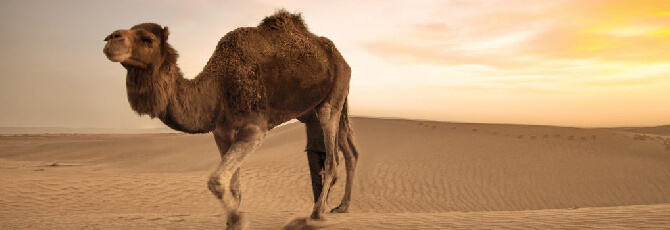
(340, 209)
(304, 224)
(236, 222)
(317, 216)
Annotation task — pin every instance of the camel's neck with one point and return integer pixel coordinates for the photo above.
(191, 106)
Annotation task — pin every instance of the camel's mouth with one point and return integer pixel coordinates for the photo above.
(116, 52)
(118, 56)
(119, 52)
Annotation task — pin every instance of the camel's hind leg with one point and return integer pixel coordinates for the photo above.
(316, 152)
(316, 161)
(346, 144)
(329, 114)
(243, 143)
(329, 117)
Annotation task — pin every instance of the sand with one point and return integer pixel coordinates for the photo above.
(411, 175)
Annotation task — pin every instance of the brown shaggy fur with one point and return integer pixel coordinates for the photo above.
(257, 78)
(283, 20)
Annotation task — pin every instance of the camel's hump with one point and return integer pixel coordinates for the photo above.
(283, 19)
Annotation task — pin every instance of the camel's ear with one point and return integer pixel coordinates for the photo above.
(166, 33)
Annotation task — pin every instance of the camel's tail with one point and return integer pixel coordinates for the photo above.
(346, 133)
(344, 120)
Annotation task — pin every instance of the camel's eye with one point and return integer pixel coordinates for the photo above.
(147, 39)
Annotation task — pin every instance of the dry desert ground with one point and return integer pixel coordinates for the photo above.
(411, 175)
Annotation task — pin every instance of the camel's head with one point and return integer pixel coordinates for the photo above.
(144, 45)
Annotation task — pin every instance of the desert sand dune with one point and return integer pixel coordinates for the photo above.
(412, 174)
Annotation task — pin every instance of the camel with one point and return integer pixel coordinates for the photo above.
(257, 78)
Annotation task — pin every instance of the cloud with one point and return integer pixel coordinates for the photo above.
(516, 37)
(624, 82)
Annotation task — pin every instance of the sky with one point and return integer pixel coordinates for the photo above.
(595, 63)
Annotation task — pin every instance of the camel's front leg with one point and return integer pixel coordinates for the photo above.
(235, 184)
(244, 142)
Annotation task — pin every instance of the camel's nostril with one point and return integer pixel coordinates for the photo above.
(113, 36)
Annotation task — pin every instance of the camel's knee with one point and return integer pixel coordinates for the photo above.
(214, 186)
(330, 168)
